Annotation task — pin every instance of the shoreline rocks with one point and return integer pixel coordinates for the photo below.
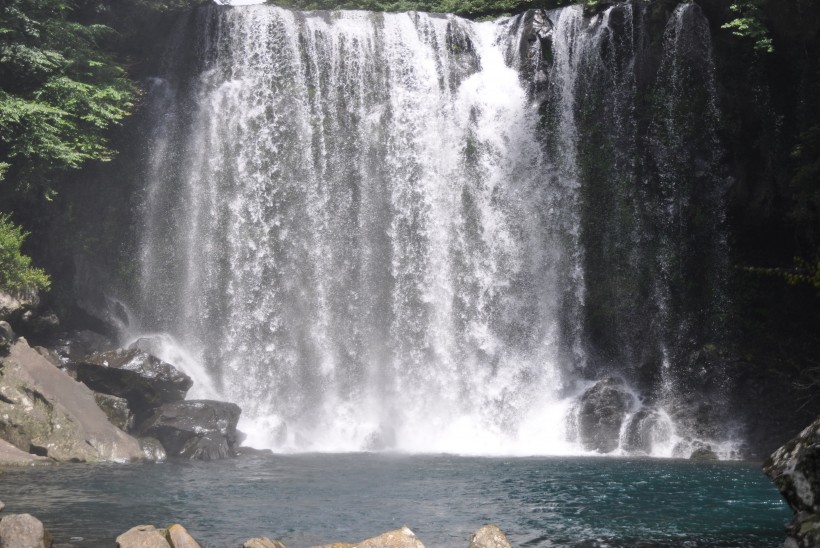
(795, 470)
(23, 531)
(45, 412)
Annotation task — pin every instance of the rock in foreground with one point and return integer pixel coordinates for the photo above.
(489, 536)
(144, 380)
(143, 536)
(195, 429)
(23, 531)
(400, 538)
(795, 470)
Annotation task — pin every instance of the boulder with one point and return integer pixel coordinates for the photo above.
(803, 531)
(178, 537)
(46, 412)
(400, 538)
(489, 536)
(195, 429)
(703, 454)
(262, 542)
(2, 506)
(795, 470)
(601, 410)
(143, 536)
(11, 455)
(153, 450)
(144, 380)
(23, 531)
(116, 409)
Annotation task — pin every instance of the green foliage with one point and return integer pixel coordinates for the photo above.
(60, 92)
(802, 272)
(16, 273)
(748, 24)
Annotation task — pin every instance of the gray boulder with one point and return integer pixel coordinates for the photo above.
(178, 537)
(153, 450)
(143, 536)
(11, 455)
(601, 411)
(23, 531)
(144, 380)
(399, 538)
(45, 412)
(195, 429)
(489, 536)
(795, 470)
(116, 409)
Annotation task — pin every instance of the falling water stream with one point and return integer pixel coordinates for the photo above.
(380, 231)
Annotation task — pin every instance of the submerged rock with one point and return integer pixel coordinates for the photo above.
(489, 536)
(399, 538)
(46, 412)
(195, 429)
(144, 380)
(262, 542)
(143, 536)
(23, 531)
(601, 412)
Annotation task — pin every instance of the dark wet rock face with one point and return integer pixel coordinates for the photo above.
(601, 412)
(195, 429)
(144, 380)
(795, 470)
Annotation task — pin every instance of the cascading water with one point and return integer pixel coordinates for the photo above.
(385, 230)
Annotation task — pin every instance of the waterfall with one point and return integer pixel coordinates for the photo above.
(415, 232)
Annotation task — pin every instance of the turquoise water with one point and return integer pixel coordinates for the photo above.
(311, 499)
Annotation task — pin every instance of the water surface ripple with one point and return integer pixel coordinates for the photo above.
(312, 499)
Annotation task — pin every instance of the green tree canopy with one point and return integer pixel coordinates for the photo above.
(59, 92)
